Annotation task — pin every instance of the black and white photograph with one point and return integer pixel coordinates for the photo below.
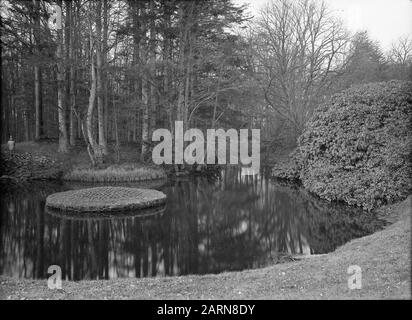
(217, 151)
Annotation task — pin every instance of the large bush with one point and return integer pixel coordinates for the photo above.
(356, 148)
(26, 166)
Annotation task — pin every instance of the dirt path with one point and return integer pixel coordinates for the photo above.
(383, 256)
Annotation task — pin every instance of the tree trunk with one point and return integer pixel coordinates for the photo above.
(99, 80)
(63, 141)
(89, 117)
(72, 90)
(38, 103)
(117, 145)
(104, 60)
(26, 125)
(145, 112)
(166, 68)
(152, 71)
(145, 120)
(37, 75)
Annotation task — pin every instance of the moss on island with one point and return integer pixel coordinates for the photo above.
(105, 199)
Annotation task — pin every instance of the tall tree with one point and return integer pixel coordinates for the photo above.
(37, 73)
(145, 97)
(400, 59)
(72, 19)
(91, 142)
(365, 61)
(99, 77)
(300, 47)
(63, 139)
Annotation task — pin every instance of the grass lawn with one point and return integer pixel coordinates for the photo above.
(383, 256)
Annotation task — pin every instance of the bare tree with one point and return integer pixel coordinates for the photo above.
(300, 47)
(401, 51)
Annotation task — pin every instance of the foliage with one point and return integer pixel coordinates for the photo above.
(287, 169)
(365, 62)
(26, 166)
(364, 159)
(356, 148)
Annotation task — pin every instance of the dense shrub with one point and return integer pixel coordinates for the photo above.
(356, 148)
(288, 168)
(26, 166)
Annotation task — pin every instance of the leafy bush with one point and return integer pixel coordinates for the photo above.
(26, 166)
(356, 148)
(287, 169)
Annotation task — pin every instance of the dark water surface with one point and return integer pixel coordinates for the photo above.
(233, 222)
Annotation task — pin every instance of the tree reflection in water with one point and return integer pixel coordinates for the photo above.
(233, 222)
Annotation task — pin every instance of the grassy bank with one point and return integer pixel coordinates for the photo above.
(383, 256)
(115, 173)
(75, 165)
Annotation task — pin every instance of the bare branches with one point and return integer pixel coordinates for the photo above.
(299, 47)
(401, 52)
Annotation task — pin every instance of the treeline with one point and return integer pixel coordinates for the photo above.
(110, 72)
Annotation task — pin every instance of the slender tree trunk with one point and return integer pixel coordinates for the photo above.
(166, 68)
(152, 71)
(99, 80)
(184, 60)
(188, 79)
(63, 141)
(104, 60)
(89, 117)
(145, 120)
(38, 103)
(117, 146)
(26, 125)
(38, 132)
(72, 90)
(146, 111)
(181, 84)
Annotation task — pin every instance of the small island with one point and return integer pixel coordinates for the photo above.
(105, 199)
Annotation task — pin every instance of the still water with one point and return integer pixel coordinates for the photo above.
(209, 225)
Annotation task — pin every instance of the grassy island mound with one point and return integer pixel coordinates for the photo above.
(115, 173)
(105, 199)
(356, 148)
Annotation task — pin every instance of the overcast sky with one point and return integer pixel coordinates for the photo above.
(385, 20)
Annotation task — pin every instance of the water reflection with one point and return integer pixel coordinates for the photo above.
(235, 222)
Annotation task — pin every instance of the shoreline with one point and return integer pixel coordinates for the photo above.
(383, 257)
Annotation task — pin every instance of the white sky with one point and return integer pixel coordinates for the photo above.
(385, 20)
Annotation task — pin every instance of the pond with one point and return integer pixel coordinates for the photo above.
(210, 225)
